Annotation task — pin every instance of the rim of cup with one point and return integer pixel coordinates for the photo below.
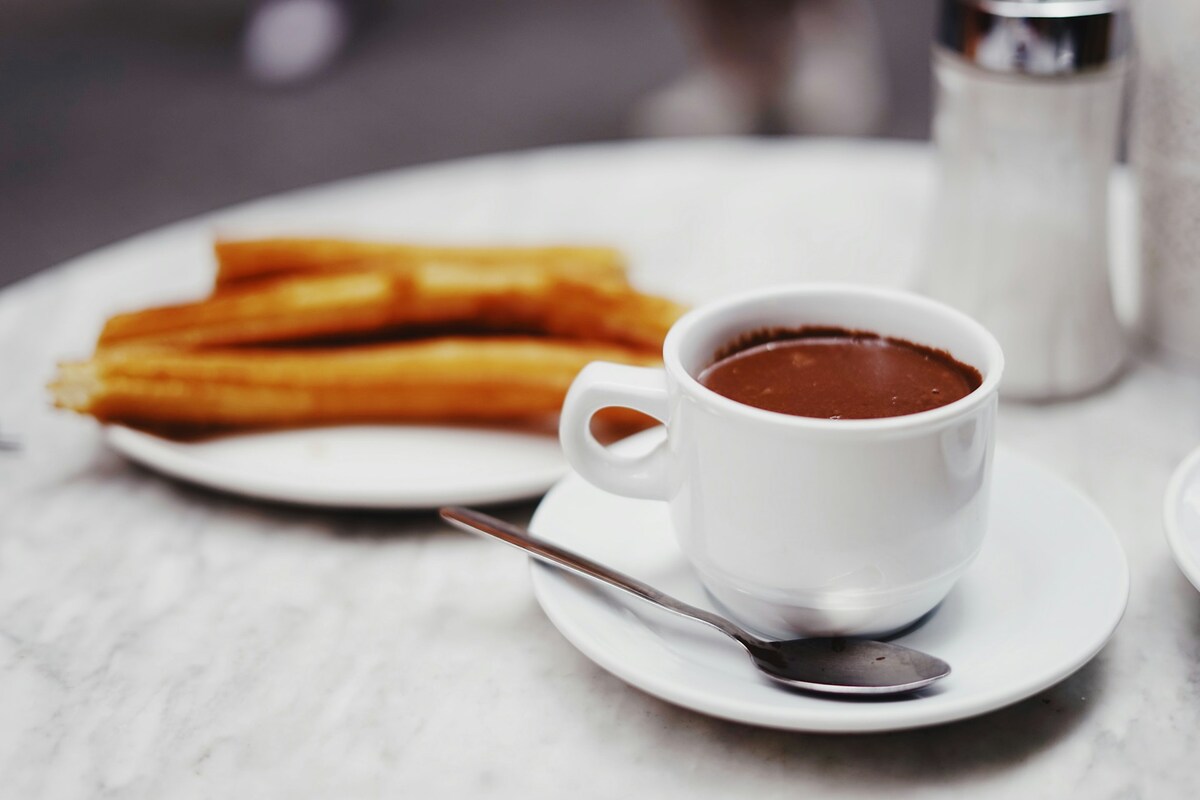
(991, 371)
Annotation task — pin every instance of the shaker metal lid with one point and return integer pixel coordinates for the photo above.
(1036, 37)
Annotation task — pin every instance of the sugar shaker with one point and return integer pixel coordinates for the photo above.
(1026, 120)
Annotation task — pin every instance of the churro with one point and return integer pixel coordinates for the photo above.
(254, 259)
(432, 296)
(280, 311)
(460, 378)
(326, 331)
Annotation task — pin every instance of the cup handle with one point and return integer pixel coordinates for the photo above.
(602, 385)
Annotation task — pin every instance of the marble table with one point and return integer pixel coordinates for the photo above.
(158, 640)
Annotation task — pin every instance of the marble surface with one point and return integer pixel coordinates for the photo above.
(158, 640)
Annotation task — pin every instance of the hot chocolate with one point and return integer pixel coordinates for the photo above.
(834, 373)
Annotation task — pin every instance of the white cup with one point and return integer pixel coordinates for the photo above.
(796, 525)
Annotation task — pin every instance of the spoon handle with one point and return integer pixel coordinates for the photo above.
(469, 519)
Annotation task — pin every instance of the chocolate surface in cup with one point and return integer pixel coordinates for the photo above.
(835, 373)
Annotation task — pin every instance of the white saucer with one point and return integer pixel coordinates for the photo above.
(1181, 516)
(1044, 596)
(359, 466)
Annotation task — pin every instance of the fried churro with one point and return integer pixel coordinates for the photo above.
(459, 378)
(326, 331)
(239, 262)
(606, 313)
(452, 296)
(279, 311)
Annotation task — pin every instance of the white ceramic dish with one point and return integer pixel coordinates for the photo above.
(1181, 516)
(359, 466)
(1043, 597)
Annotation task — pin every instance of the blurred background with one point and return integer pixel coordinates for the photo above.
(117, 116)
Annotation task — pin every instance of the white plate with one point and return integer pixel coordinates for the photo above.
(360, 466)
(1044, 596)
(1181, 516)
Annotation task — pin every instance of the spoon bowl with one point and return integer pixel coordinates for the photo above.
(846, 666)
(825, 665)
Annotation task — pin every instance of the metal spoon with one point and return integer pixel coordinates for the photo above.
(834, 666)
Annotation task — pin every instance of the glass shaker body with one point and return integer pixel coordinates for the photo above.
(1019, 230)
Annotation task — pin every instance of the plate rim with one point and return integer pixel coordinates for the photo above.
(160, 455)
(542, 577)
(1185, 559)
